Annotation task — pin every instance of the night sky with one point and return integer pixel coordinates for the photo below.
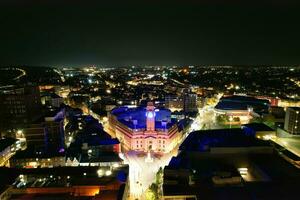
(149, 33)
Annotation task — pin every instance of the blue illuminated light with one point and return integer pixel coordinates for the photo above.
(150, 115)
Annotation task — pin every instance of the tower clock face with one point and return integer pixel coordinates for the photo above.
(150, 115)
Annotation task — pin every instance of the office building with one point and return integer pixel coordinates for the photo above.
(19, 106)
(292, 120)
(189, 101)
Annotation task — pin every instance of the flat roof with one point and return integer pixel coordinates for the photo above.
(60, 176)
(30, 152)
(269, 176)
(258, 127)
(6, 142)
(242, 103)
(202, 140)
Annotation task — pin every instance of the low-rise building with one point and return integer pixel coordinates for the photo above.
(30, 158)
(231, 164)
(67, 183)
(8, 147)
(259, 130)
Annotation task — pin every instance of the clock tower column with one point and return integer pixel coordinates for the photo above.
(150, 117)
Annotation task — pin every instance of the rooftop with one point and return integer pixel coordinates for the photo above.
(203, 140)
(242, 103)
(59, 176)
(30, 152)
(135, 117)
(258, 127)
(6, 142)
(268, 176)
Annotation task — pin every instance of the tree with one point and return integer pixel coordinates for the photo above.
(159, 176)
(152, 192)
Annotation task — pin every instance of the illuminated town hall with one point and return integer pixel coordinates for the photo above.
(145, 128)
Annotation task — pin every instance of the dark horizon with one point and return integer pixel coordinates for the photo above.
(120, 34)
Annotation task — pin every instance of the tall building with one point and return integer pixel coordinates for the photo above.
(189, 101)
(47, 134)
(173, 102)
(292, 120)
(19, 106)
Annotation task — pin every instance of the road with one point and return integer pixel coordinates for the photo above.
(292, 144)
(142, 173)
(206, 119)
(22, 72)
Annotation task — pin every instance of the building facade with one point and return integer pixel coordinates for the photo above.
(48, 134)
(189, 101)
(145, 129)
(19, 106)
(292, 120)
(8, 148)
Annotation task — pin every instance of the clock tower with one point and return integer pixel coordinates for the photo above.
(150, 117)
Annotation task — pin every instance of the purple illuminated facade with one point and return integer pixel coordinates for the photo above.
(145, 128)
